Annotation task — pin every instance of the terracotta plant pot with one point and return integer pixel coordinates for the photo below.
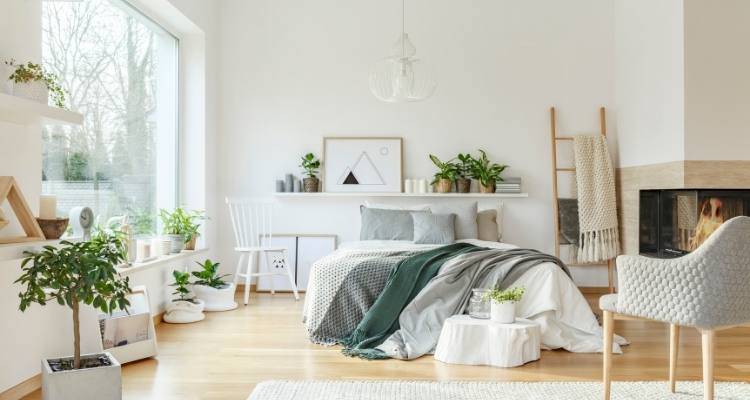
(310, 185)
(463, 185)
(53, 228)
(444, 186)
(490, 188)
(190, 244)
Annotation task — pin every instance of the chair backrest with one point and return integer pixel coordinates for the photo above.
(725, 272)
(252, 222)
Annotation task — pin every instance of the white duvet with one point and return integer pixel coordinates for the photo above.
(552, 300)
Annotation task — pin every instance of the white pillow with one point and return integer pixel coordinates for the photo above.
(466, 218)
(417, 207)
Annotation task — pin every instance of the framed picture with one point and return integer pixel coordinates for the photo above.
(362, 164)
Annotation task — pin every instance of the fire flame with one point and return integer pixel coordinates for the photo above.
(710, 219)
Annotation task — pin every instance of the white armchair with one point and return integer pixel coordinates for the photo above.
(706, 289)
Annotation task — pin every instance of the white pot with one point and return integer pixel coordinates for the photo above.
(504, 313)
(216, 299)
(184, 312)
(36, 91)
(88, 383)
(177, 243)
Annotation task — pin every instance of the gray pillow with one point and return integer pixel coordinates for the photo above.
(433, 228)
(380, 224)
(466, 217)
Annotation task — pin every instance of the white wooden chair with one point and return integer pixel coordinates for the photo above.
(252, 225)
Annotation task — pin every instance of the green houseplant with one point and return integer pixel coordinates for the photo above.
(503, 306)
(486, 172)
(73, 274)
(184, 308)
(181, 227)
(446, 174)
(211, 288)
(32, 81)
(463, 171)
(310, 165)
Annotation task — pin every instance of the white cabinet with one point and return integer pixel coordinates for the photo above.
(302, 251)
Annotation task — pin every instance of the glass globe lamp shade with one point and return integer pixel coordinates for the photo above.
(402, 79)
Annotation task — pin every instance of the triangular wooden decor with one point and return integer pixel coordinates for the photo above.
(9, 190)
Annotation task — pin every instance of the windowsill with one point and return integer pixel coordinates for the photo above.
(163, 260)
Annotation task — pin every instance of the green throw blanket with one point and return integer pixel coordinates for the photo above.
(406, 280)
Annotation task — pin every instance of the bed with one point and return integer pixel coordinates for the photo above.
(344, 284)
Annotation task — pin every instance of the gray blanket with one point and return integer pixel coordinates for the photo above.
(449, 292)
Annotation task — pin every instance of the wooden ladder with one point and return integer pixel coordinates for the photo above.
(555, 171)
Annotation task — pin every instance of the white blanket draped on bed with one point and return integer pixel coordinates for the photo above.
(552, 300)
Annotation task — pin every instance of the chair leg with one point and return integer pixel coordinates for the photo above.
(249, 274)
(674, 344)
(238, 270)
(708, 363)
(289, 275)
(609, 331)
(268, 261)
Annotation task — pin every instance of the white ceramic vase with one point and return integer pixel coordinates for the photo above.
(36, 91)
(504, 313)
(177, 243)
(184, 312)
(216, 299)
(89, 383)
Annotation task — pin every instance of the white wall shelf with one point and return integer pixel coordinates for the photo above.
(22, 111)
(374, 194)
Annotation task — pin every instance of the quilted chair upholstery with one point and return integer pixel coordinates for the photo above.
(706, 289)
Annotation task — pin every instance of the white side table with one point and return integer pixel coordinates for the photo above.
(467, 340)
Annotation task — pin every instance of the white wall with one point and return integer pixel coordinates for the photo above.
(717, 88)
(45, 332)
(293, 72)
(649, 65)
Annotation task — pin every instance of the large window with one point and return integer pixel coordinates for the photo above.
(120, 71)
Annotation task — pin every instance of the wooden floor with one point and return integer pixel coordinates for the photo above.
(224, 356)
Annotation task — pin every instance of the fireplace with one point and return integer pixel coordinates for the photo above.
(675, 222)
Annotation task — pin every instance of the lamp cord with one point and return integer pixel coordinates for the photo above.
(403, 28)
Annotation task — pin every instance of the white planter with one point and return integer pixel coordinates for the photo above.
(89, 383)
(36, 91)
(504, 313)
(177, 243)
(184, 312)
(216, 299)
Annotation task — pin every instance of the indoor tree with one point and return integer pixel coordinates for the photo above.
(76, 273)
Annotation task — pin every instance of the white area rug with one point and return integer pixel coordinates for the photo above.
(418, 390)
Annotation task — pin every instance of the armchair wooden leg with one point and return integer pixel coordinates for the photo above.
(609, 329)
(708, 364)
(674, 344)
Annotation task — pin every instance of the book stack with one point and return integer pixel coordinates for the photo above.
(508, 185)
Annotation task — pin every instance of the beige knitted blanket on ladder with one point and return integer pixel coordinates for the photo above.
(597, 203)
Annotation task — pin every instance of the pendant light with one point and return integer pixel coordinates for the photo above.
(402, 77)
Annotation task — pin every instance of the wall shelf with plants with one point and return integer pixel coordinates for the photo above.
(22, 111)
(374, 194)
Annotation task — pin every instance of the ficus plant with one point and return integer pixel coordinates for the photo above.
(76, 273)
(209, 275)
(446, 169)
(310, 165)
(31, 72)
(486, 172)
(181, 283)
(182, 222)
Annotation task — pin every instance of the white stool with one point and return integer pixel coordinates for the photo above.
(471, 341)
(252, 224)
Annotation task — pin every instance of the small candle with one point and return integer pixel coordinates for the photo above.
(422, 186)
(144, 250)
(48, 206)
(408, 186)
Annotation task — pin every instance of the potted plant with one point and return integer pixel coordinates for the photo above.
(486, 172)
(31, 81)
(181, 227)
(71, 275)
(503, 304)
(463, 170)
(211, 288)
(310, 164)
(443, 179)
(185, 308)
